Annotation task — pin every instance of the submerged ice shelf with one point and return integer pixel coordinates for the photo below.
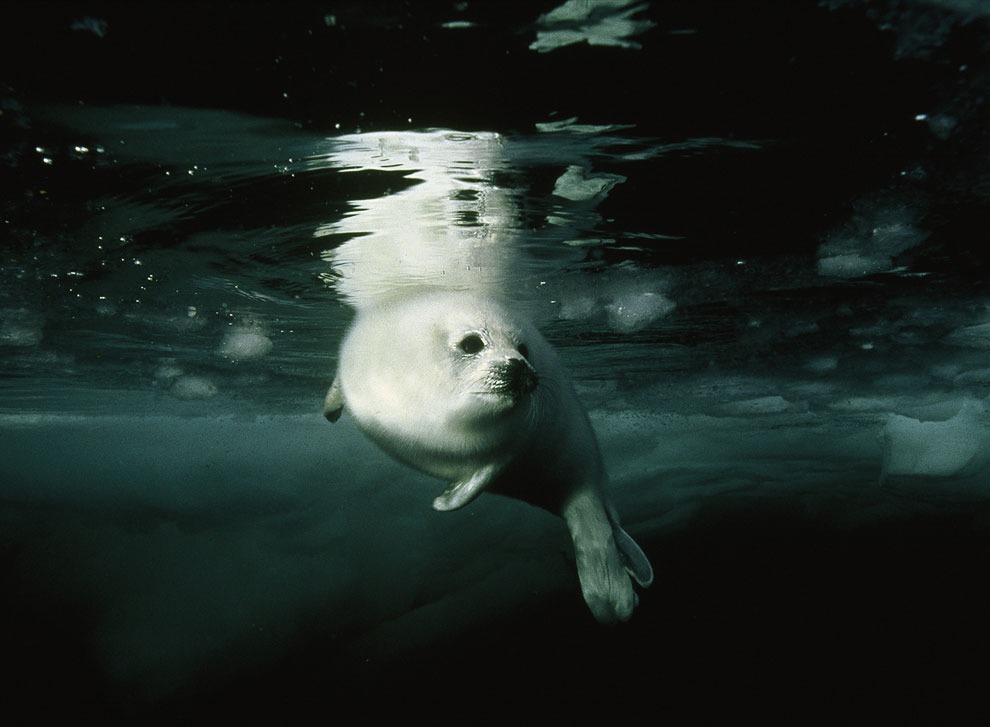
(286, 518)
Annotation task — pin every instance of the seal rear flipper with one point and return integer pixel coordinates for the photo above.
(602, 564)
(333, 403)
(605, 584)
(460, 493)
(633, 558)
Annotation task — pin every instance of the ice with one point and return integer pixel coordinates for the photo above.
(852, 265)
(977, 336)
(936, 448)
(20, 327)
(599, 22)
(822, 364)
(578, 186)
(627, 300)
(627, 314)
(190, 386)
(942, 125)
(168, 371)
(979, 377)
(761, 405)
(213, 540)
(244, 343)
(878, 231)
(96, 26)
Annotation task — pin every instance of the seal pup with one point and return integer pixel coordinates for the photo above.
(457, 386)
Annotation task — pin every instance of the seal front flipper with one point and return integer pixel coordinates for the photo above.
(460, 493)
(333, 403)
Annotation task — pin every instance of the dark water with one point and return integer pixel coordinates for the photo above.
(755, 232)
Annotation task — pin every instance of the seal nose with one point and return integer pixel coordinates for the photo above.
(520, 376)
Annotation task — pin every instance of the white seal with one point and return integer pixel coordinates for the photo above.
(459, 387)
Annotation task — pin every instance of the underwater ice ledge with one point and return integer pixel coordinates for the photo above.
(918, 454)
(283, 526)
(56, 457)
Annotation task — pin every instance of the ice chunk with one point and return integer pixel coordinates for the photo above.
(578, 307)
(96, 26)
(577, 186)
(942, 125)
(760, 405)
(971, 336)
(935, 448)
(189, 387)
(631, 299)
(571, 125)
(244, 344)
(978, 377)
(631, 312)
(822, 364)
(168, 371)
(852, 265)
(878, 231)
(599, 22)
(20, 327)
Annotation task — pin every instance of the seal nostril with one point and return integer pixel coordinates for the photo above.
(519, 375)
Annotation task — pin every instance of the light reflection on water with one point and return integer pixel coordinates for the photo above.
(186, 227)
(218, 246)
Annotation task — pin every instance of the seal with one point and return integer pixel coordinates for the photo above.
(458, 386)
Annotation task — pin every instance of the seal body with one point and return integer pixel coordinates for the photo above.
(460, 387)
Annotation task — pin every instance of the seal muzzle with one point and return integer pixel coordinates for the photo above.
(512, 376)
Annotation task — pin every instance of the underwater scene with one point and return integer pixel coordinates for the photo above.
(716, 271)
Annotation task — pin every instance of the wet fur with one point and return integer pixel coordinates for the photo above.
(410, 386)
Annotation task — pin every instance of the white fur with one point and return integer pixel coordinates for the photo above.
(411, 388)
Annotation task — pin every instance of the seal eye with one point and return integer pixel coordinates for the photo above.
(471, 344)
(524, 351)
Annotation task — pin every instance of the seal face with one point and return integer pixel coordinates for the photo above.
(460, 387)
